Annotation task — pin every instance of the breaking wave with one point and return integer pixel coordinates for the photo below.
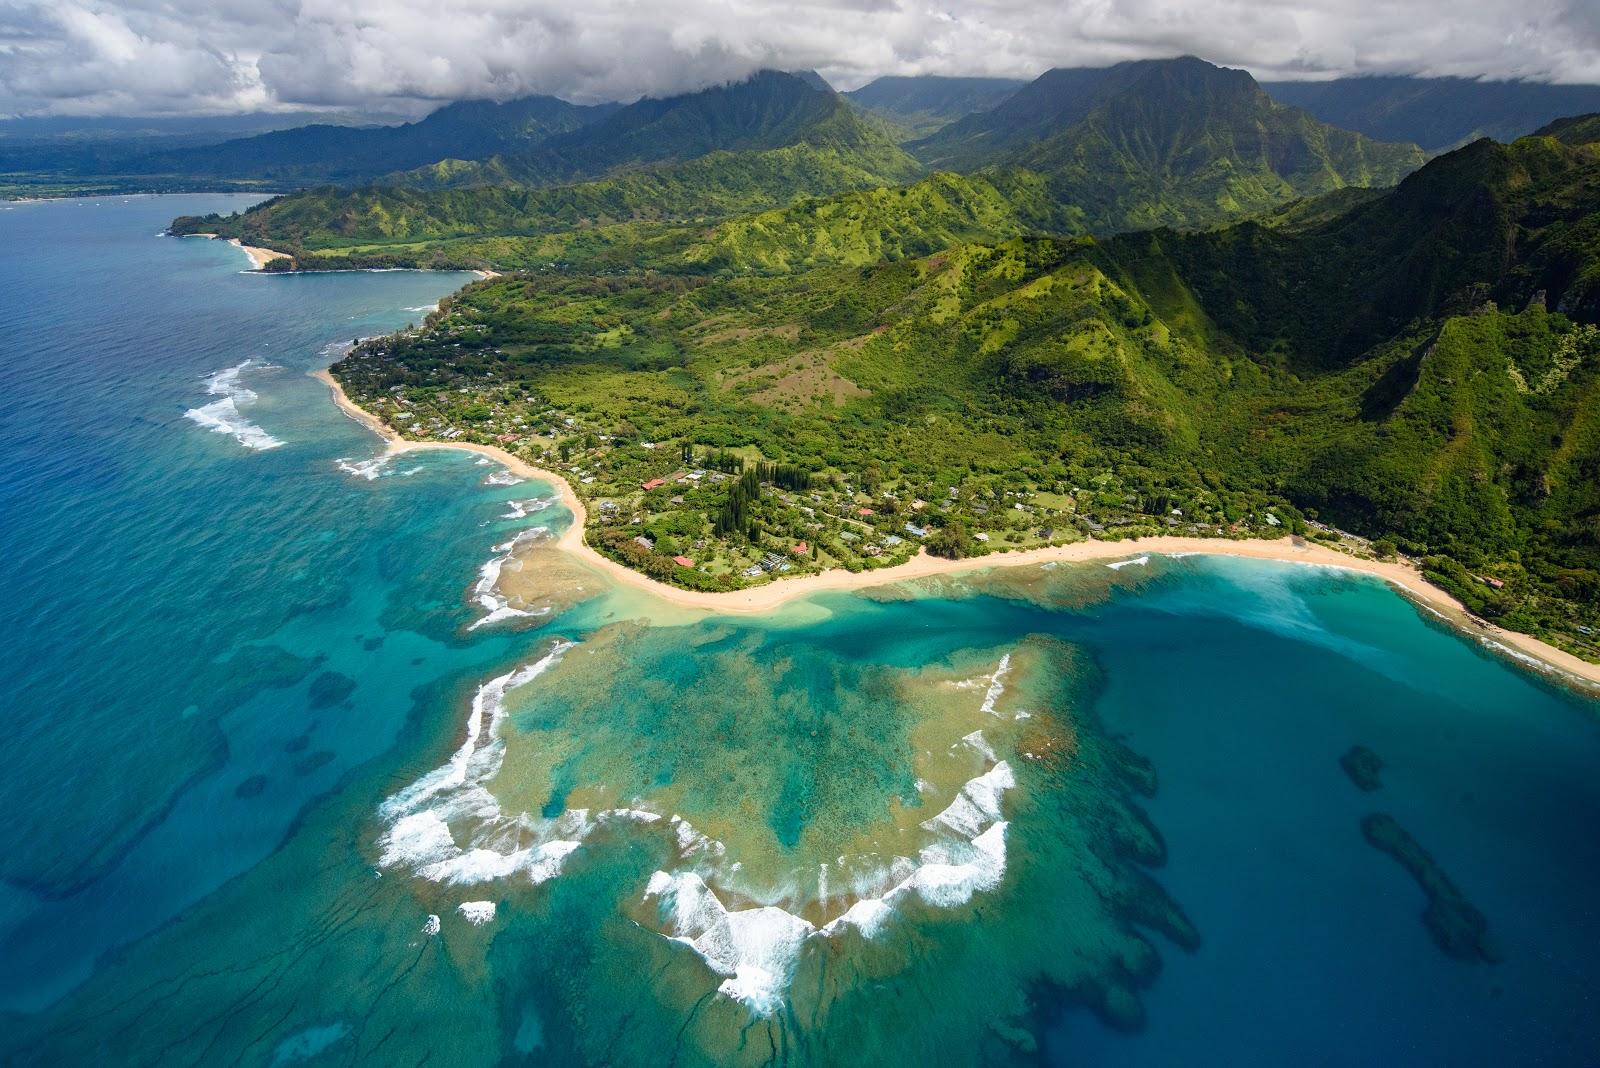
(222, 416)
(449, 829)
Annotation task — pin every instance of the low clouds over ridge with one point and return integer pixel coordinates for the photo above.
(90, 57)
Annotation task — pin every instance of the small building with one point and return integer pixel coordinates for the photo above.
(683, 561)
(980, 537)
(863, 511)
(644, 541)
(652, 484)
(1494, 583)
(800, 548)
(916, 531)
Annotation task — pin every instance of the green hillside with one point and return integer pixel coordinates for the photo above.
(882, 223)
(1420, 366)
(1165, 143)
(768, 110)
(713, 186)
(926, 103)
(1190, 144)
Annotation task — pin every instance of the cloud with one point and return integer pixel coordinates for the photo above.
(207, 56)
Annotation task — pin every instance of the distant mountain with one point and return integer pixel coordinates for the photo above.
(428, 227)
(1436, 113)
(926, 103)
(1575, 130)
(1164, 142)
(768, 110)
(185, 128)
(1045, 106)
(469, 130)
(700, 157)
(1512, 224)
(813, 79)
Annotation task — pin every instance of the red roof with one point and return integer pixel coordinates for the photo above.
(683, 561)
(863, 511)
(800, 548)
(653, 483)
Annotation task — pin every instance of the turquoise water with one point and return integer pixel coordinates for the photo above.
(259, 759)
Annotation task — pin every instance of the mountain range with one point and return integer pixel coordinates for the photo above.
(1151, 277)
(1177, 142)
(1436, 113)
(919, 106)
(1420, 364)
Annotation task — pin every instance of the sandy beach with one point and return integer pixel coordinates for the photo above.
(1403, 576)
(259, 257)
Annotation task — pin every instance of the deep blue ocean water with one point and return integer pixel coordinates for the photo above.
(169, 595)
(219, 660)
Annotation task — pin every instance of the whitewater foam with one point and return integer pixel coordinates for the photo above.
(502, 477)
(370, 469)
(486, 593)
(477, 913)
(755, 950)
(527, 506)
(996, 685)
(1118, 565)
(222, 416)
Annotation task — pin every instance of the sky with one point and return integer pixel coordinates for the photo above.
(184, 57)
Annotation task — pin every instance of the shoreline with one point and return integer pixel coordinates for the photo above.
(1405, 578)
(259, 257)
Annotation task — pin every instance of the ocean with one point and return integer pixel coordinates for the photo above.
(288, 781)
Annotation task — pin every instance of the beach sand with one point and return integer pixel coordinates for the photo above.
(259, 257)
(1401, 575)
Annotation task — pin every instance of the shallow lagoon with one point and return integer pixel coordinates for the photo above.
(1169, 866)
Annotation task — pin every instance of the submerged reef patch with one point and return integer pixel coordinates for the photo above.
(1364, 767)
(1456, 925)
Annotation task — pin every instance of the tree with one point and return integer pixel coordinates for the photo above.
(952, 542)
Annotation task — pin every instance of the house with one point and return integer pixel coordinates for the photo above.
(644, 541)
(683, 561)
(753, 571)
(980, 537)
(863, 511)
(892, 540)
(800, 548)
(872, 550)
(652, 484)
(916, 531)
(1494, 583)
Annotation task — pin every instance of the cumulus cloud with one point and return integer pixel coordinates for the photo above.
(207, 56)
